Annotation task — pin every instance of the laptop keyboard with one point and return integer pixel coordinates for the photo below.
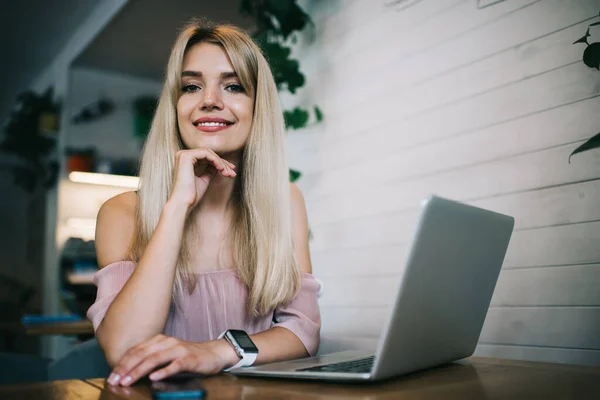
(356, 366)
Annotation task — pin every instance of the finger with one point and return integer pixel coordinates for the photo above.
(214, 158)
(138, 353)
(154, 360)
(195, 155)
(232, 165)
(229, 168)
(171, 369)
(220, 161)
(229, 172)
(222, 165)
(123, 365)
(133, 353)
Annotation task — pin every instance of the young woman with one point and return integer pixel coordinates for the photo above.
(211, 254)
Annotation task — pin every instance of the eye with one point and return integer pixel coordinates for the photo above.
(235, 88)
(190, 88)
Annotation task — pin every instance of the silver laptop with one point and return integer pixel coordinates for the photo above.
(441, 302)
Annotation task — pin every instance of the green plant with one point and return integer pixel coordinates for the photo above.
(30, 135)
(144, 108)
(277, 23)
(591, 58)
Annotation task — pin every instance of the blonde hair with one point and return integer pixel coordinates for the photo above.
(260, 232)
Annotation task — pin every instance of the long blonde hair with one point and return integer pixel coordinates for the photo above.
(260, 232)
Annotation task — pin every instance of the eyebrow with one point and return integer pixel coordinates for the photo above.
(197, 74)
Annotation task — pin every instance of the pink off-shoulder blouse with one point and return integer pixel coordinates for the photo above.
(217, 303)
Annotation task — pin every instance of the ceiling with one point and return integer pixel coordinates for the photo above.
(33, 32)
(137, 41)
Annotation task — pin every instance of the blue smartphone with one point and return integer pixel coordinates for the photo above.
(170, 390)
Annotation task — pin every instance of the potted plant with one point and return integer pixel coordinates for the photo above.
(30, 136)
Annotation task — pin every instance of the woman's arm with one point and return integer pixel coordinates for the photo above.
(140, 310)
(206, 358)
(211, 357)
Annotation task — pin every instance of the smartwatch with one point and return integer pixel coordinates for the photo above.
(244, 347)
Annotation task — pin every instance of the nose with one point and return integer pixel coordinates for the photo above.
(211, 99)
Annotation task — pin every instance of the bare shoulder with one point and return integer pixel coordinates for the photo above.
(297, 202)
(115, 227)
(296, 195)
(300, 229)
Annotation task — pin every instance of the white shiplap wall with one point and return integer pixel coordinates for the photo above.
(481, 105)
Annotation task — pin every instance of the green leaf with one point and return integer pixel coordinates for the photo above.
(288, 15)
(591, 55)
(583, 39)
(294, 175)
(276, 22)
(592, 143)
(286, 70)
(295, 119)
(318, 114)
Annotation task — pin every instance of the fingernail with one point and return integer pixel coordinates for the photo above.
(113, 379)
(154, 376)
(126, 381)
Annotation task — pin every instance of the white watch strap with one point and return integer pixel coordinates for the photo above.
(247, 358)
(246, 361)
(239, 364)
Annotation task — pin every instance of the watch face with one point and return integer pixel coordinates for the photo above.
(243, 341)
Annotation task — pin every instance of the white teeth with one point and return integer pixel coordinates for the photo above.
(212, 124)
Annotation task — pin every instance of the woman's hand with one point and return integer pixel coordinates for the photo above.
(194, 169)
(173, 355)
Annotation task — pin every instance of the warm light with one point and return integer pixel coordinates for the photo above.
(84, 228)
(81, 223)
(105, 179)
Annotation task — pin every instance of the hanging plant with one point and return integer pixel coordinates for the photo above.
(277, 23)
(591, 58)
(30, 135)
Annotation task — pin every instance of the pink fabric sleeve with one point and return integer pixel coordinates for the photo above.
(302, 316)
(109, 280)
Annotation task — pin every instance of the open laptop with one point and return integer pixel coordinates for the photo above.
(441, 302)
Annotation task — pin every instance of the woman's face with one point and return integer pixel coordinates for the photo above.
(213, 110)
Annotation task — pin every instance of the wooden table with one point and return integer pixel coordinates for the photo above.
(57, 390)
(473, 378)
(83, 327)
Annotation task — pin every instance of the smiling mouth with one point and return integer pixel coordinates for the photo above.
(212, 126)
(212, 123)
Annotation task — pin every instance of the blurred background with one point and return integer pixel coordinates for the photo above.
(387, 101)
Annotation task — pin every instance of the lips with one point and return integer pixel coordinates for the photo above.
(211, 120)
(211, 124)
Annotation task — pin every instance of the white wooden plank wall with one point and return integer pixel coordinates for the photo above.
(478, 105)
